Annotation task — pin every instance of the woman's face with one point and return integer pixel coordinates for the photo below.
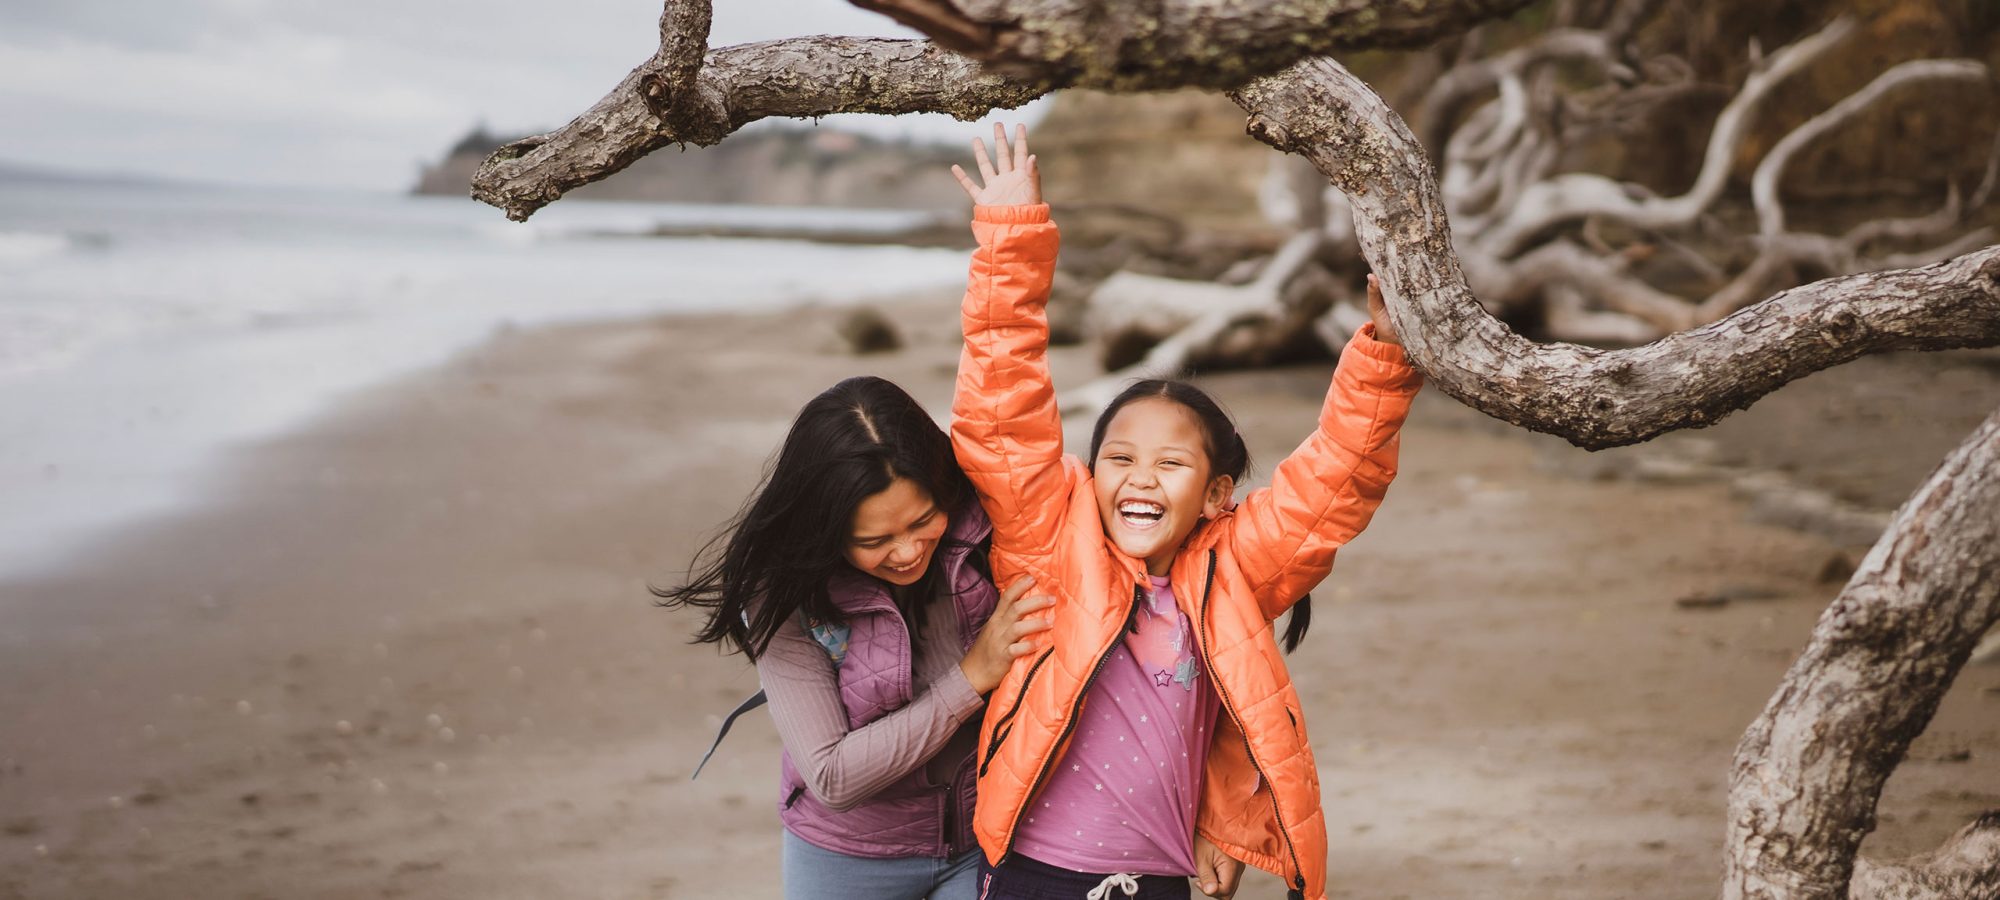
(895, 532)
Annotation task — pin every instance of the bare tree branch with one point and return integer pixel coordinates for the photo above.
(1189, 317)
(1575, 196)
(1764, 183)
(1810, 769)
(1966, 867)
(1593, 398)
(1448, 93)
(1032, 47)
(1176, 43)
(799, 77)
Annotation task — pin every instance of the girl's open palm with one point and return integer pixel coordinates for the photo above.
(1010, 176)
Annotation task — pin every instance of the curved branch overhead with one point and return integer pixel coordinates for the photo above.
(1176, 43)
(1592, 398)
(686, 94)
(798, 78)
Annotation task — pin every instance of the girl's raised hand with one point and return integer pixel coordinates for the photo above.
(1005, 636)
(1385, 330)
(1010, 176)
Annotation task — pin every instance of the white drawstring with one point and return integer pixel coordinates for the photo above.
(1118, 880)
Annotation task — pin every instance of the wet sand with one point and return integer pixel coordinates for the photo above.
(408, 651)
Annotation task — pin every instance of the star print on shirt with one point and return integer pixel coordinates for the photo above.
(1162, 678)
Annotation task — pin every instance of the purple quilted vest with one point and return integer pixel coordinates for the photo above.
(912, 816)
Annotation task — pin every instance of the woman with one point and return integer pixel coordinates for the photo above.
(856, 579)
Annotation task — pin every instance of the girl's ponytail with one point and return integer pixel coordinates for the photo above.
(1300, 619)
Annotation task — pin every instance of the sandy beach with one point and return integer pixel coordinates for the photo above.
(407, 651)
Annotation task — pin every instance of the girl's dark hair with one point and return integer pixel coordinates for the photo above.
(772, 561)
(1227, 455)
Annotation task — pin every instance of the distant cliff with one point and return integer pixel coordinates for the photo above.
(787, 165)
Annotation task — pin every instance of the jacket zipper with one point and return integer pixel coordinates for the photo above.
(1002, 727)
(1209, 659)
(1075, 710)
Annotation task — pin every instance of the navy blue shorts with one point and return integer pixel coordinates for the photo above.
(1021, 878)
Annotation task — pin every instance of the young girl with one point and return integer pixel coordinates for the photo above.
(1156, 732)
(856, 580)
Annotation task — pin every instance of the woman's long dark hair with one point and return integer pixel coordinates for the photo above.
(1227, 455)
(771, 563)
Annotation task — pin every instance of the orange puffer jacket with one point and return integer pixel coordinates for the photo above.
(1260, 799)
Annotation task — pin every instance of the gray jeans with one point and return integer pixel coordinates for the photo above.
(812, 873)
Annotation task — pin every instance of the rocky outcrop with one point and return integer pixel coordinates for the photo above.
(788, 166)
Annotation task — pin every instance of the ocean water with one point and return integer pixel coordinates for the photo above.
(145, 329)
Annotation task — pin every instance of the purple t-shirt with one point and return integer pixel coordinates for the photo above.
(1123, 798)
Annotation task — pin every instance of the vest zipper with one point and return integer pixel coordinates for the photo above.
(949, 835)
(1222, 692)
(1138, 595)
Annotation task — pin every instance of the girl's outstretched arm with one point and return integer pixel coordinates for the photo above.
(1324, 493)
(1005, 426)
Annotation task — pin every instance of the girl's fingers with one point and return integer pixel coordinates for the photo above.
(1003, 156)
(985, 165)
(965, 181)
(1021, 157)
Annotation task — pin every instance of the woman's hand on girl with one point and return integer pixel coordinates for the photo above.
(1010, 176)
(1385, 330)
(1006, 636)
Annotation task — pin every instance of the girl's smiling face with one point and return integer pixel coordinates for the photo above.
(1153, 483)
(894, 533)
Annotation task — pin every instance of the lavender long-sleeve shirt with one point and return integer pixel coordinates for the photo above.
(842, 768)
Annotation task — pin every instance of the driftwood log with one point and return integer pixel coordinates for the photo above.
(1809, 771)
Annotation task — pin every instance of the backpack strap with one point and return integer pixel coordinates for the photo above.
(755, 700)
(832, 637)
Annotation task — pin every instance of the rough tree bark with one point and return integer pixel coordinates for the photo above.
(1809, 772)
(1192, 43)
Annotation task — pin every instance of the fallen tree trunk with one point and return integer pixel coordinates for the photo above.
(1810, 769)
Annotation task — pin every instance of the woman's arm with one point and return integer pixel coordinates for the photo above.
(842, 768)
(1005, 427)
(1323, 494)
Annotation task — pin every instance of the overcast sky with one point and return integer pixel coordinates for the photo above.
(338, 94)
